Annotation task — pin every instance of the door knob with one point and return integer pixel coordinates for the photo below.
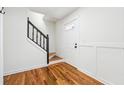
(75, 45)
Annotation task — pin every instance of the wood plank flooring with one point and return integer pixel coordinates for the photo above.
(55, 74)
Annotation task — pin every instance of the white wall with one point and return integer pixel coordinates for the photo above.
(1, 49)
(19, 54)
(101, 42)
(102, 25)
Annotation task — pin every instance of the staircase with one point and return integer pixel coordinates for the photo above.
(53, 58)
(38, 37)
(41, 40)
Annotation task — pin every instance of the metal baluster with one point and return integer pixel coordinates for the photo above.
(40, 40)
(37, 37)
(33, 34)
(28, 27)
(47, 49)
(43, 42)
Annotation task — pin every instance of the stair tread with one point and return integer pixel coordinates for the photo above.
(50, 54)
(55, 58)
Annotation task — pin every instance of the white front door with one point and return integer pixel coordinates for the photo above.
(71, 41)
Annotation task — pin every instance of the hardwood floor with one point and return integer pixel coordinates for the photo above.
(56, 74)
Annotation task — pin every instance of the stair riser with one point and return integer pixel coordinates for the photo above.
(52, 56)
(56, 61)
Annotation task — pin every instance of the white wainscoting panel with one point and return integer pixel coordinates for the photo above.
(110, 65)
(104, 61)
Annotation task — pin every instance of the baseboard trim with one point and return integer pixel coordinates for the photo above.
(54, 62)
(89, 74)
(23, 70)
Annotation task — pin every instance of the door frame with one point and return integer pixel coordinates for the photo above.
(1, 49)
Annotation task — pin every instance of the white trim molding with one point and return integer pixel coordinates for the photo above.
(1, 49)
(109, 61)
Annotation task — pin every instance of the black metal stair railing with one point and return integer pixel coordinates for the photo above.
(38, 37)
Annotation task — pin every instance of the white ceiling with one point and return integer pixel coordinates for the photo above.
(54, 13)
